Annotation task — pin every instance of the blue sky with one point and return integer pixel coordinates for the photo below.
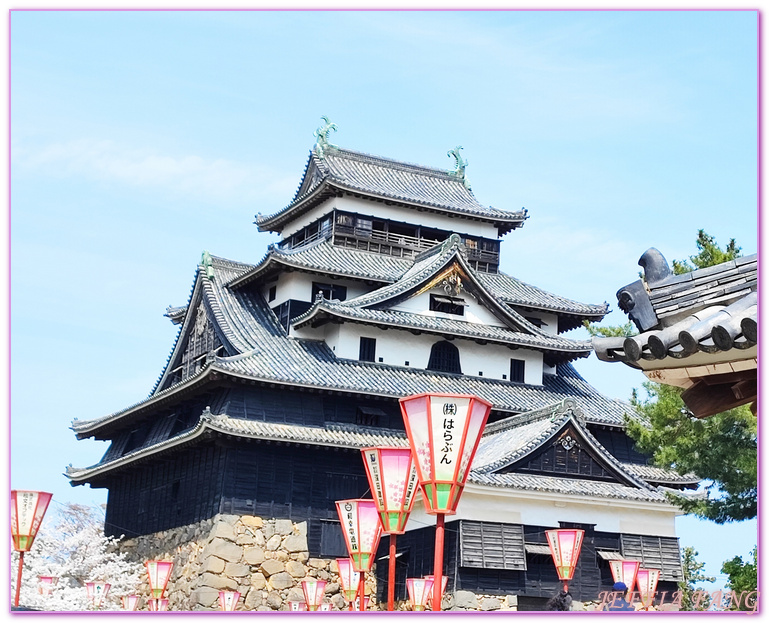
(140, 139)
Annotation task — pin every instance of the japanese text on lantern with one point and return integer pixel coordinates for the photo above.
(351, 527)
(449, 409)
(375, 475)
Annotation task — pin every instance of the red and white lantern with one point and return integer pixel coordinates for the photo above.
(97, 592)
(130, 602)
(444, 432)
(444, 582)
(326, 607)
(392, 476)
(27, 512)
(228, 600)
(362, 531)
(313, 590)
(159, 572)
(625, 571)
(419, 590)
(46, 584)
(157, 604)
(565, 545)
(297, 606)
(647, 585)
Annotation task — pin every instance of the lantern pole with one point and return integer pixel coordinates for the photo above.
(391, 575)
(18, 579)
(438, 563)
(27, 512)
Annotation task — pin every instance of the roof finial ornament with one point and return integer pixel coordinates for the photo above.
(207, 263)
(322, 135)
(459, 165)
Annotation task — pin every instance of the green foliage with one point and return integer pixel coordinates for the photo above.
(624, 330)
(709, 254)
(692, 574)
(743, 578)
(721, 449)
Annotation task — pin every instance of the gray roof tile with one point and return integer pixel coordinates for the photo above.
(390, 179)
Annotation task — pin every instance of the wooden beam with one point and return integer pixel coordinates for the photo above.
(705, 400)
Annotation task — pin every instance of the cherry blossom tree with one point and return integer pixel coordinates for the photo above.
(74, 549)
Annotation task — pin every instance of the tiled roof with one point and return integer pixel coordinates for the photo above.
(720, 284)
(443, 326)
(651, 473)
(510, 440)
(388, 179)
(338, 436)
(322, 256)
(709, 310)
(516, 292)
(568, 486)
(358, 437)
(268, 355)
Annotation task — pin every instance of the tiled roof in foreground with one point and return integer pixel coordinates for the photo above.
(409, 184)
(353, 438)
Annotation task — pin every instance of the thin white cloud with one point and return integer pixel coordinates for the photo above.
(213, 179)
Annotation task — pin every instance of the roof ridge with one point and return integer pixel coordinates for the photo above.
(390, 162)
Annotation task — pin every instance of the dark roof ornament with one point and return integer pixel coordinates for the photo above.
(655, 266)
(322, 135)
(207, 264)
(459, 165)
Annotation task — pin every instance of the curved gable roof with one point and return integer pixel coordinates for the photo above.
(408, 184)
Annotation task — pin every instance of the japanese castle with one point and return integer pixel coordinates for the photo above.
(386, 283)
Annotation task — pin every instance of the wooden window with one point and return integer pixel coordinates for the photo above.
(329, 291)
(367, 349)
(488, 545)
(447, 304)
(369, 416)
(332, 543)
(655, 552)
(517, 370)
(444, 357)
(273, 292)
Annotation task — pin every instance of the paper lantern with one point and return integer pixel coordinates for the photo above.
(362, 530)
(565, 545)
(348, 578)
(444, 431)
(647, 585)
(313, 590)
(228, 600)
(130, 602)
(27, 512)
(392, 476)
(420, 590)
(47, 584)
(157, 604)
(159, 572)
(297, 606)
(624, 571)
(96, 592)
(444, 582)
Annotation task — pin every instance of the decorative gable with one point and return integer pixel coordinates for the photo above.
(564, 455)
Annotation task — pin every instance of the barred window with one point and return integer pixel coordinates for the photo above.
(367, 349)
(444, 357)
(517, 370)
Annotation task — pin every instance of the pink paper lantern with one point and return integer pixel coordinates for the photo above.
(420, 590)
(624, 571)
(362, 531)
(313, 590)
(130, 602)
(565, 545)
(97, 592)
(47, 584)
(228, 600)
(297, 606)
(348, 578)
(159, 572)
(157, 604)
(444, 432)
(647, 585)
(392, 476)
(27, 512)
(444, 582)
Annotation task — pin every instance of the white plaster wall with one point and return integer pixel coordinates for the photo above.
(394, 213)
(396, 347)
(551, 321)
(298, 286)
(474, 311)
(547, 509)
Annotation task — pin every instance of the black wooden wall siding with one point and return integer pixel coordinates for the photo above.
(179, 490)
(655, 552)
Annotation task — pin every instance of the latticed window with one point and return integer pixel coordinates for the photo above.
(517, 370)
(201, 341)
(444, 357)
(367, 350)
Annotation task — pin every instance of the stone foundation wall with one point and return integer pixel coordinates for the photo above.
(263, 559)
